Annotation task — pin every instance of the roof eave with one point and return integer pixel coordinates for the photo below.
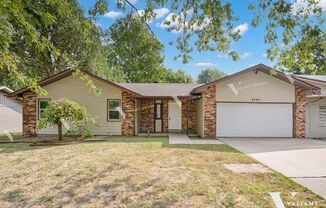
(6, 89)
(65, 74)
(265, 69)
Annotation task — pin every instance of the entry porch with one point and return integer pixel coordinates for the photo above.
(163, 115)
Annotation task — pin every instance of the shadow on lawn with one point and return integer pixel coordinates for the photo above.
(122, 190)
(11, 148)
(165, 143)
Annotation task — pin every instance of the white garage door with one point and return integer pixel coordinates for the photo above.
(254, 120)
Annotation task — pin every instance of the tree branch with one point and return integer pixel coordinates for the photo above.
(135, 8)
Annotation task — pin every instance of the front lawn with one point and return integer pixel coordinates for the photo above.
(135, 172)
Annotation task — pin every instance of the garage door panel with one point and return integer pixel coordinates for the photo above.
(254, 120)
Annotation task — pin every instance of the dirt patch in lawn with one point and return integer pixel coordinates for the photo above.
(248, 168)
(135, 172)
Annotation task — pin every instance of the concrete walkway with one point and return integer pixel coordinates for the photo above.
(179, 138)
(302, 160)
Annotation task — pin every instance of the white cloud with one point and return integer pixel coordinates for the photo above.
(172, 18)
(265, 55)
(242, 29)
(161, 12)
(202, 25)
(205, 64)
(246, 55)
(112, 14)
(301, 5)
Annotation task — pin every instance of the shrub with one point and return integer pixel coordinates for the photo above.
(65, 112)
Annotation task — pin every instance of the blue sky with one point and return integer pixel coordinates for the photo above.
(251, 46)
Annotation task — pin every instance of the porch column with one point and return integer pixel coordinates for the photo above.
(299, 113)
(29, 114)
(128, 117)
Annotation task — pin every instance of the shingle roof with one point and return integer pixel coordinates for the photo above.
(321, 78)
(161, 89)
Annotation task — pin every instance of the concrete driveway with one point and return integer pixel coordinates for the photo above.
(302, 160)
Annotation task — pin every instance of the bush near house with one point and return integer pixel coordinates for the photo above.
(66, 112)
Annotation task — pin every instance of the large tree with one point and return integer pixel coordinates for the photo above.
(209, 75)
(294, 29)
(179, 76)
(134, 50)
(296, 34)
(40, 38)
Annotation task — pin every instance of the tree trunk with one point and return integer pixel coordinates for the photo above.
(60, 131)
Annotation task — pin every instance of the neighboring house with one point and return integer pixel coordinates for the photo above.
(10, 112)
(255, 102)
(315, 107)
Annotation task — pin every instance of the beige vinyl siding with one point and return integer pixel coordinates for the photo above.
(251, 87)
(75, 89)
(313, 128)
(10, 115)
(200, 116)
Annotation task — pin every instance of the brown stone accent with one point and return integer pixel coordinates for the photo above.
(190, 107)
(209, 96)
(29, 114)
(299, 113)
(128, 116)
(165, 115)
(146, 115)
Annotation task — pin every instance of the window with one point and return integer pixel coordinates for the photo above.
(113, 110)
(42, 104)
(158, 110)
(322, 116)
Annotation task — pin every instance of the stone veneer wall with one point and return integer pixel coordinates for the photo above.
(165, 115)
(191, 115)
(299, 113)
(146, 118)
(209, 96)
(128, 117)
(29, 114)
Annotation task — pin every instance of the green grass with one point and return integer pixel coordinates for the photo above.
(14, 136)
(135, 172)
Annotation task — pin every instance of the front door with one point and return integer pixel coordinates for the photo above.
(174, 116)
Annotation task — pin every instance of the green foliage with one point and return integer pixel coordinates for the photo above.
(65, 112)
(133, 50)
(179, 76)
(40, 38)
(208, 23)
(295, 33)
(80, 131)
(209, 75)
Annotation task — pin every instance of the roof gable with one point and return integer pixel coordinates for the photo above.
(64, 74)
(268, 70)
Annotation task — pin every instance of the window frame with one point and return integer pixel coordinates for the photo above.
(108, 110)
(39, 106)
(161, 111)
